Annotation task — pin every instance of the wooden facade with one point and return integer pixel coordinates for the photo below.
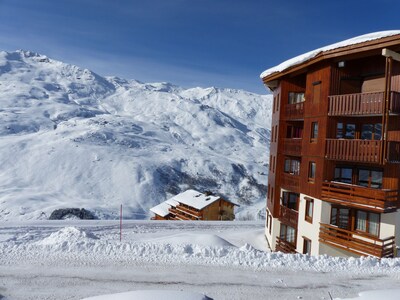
(218, 209)
(338, 114)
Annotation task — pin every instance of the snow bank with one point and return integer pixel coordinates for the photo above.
(139, 245)
(200, 239)
(389, 294)
(309, 55)
(151, 295)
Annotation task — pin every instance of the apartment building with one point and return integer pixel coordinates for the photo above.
(333, 185)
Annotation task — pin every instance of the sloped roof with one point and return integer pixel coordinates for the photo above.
(195, 199)
(192, 198)
(312, 54)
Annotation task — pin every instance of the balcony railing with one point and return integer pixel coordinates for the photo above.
(294, 111)
(367, 151)
(291, 182)
(362, 104)
(284, 246)
(189, 210)
(179, 214)
(292, 146)
(356, 242)
(377, 200)
(288, 216)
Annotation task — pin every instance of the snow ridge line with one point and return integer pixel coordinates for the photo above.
(94, 252)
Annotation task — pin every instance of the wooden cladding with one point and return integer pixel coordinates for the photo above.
(364, 151)
(356, 242)
(288, 216)
(284, 246)
(367, 151)
(377, 200)
(362, 104)
(294, 111)
(291, 182)
(292, 147)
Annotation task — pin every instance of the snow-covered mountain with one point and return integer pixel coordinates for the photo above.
(71, 138)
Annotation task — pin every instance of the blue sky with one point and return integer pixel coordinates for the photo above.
(223, 43)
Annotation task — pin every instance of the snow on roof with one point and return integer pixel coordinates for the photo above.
(309, 55)
(161, 209)
(195, 199)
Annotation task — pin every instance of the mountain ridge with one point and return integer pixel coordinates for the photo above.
(72, 138)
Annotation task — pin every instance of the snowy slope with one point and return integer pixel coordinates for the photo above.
(71, 138)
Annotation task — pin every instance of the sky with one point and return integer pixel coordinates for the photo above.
(222, 43)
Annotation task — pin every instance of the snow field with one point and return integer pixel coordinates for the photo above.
(74, 259)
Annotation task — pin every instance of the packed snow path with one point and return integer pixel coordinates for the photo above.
(224, 260)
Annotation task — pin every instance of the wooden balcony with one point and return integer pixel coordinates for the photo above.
(294, 111)
(362, 104)
(366, 151)
(292, 146)
(377, 200)
(356, 242)
(288, 216)
(181, 215)
(291, 182)
(189, 210)
(284, 246)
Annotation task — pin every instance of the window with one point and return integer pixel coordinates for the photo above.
(340, 217)
(270, 223)
(370, 178)
(287, 234)
(367, 222)
(345, 130)
(292, 166)
(309, 209)
(311, 171)
(294, 132)
(344, 174)
(371, 131)
(314, 132)
(290, 200)
(296, 97)
(306, 246)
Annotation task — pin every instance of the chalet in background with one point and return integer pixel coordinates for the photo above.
(193, 205)
(333, 185)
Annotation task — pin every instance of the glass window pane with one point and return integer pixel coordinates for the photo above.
(287, 166)
(363, 177)
(376, 179)
(361, 223)
(366, 131)
(334, 216)
(290, 234)
(339, 130)
(378, 131)
(350, 131)
(343, 218)
(282, 234)
(373, 224)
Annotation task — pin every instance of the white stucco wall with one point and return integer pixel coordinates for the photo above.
(275, 228)
(321, 214)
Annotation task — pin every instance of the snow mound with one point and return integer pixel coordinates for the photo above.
(68, 235)
(200, 239)
(152, 294)
(389, 294)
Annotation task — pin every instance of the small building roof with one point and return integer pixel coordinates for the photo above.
(195, 199)
(192, 198)
(161, 209)
(310, 55)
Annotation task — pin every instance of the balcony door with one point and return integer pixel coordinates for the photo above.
(340, 217)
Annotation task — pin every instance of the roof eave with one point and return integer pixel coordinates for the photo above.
(375, 44)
